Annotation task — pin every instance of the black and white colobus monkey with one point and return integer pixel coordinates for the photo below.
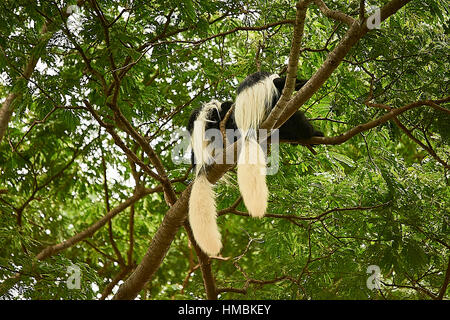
(202, 205)
(256, 96)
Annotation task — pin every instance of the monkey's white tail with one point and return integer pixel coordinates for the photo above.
(202, 206)
(202, 216)
(200, 146)
(252, 105)
(251, 176)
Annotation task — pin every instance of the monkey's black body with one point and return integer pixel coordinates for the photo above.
(297, 127)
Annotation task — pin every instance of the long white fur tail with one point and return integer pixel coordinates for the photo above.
(202, 216)
(200, 146)
(251, 176)
(252, 105)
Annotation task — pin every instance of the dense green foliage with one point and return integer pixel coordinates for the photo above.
(55, 158)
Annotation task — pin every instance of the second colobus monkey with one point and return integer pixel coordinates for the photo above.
(202, 204)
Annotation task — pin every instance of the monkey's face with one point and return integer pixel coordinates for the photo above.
(299, 83)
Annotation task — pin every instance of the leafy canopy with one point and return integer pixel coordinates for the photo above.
(61, 171)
